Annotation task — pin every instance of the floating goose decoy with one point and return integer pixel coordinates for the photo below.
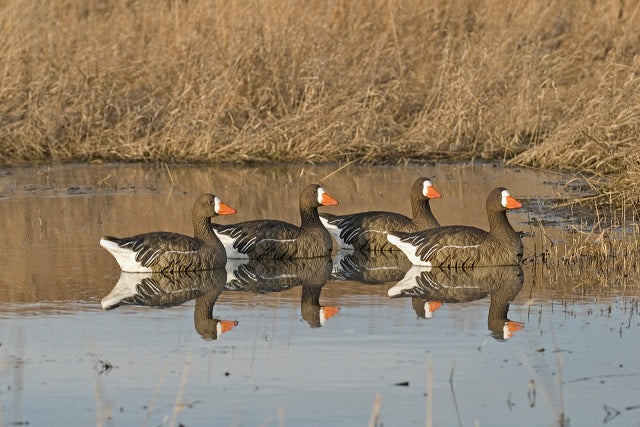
(461, 246)
(164, 251)
(266, 238)
(367, 230)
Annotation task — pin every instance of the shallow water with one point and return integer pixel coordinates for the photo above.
(316, 342)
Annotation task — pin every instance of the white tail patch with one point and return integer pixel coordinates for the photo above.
(408, 249)
(335, 233)
(126, 258)
(228, 242)
(231, 266)
(125, 288)
(408, 281)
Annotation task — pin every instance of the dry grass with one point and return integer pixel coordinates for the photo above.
(548, 84)
(606, 247)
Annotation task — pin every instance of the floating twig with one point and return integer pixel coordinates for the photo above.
(375, 411)
(611, 413)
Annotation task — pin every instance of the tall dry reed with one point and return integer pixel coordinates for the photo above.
(551, 84)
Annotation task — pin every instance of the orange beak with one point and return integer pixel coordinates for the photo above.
(330, 311)
(432, 193)
(327, 200)
(434, 305)
(513, 203)
(225, 210)
(228, 325)
(513, 326)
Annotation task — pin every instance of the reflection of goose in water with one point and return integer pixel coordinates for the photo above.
(370, 267)
(430, 287)
(268, 275)
(274, 275)
(171, 289)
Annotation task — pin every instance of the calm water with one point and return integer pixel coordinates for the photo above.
(344, 341)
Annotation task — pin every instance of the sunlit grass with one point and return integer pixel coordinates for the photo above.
(553, 84)
(605, 246)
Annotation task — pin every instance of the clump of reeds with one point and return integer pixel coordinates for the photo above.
(605, 245)
(551, 84)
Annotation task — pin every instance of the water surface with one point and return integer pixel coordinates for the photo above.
(316, 342)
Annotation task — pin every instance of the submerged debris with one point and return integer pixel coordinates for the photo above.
(103, 366)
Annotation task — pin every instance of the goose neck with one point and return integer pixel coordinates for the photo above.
(499, 223)
(422, 214)
(202, 229)
(309, 215)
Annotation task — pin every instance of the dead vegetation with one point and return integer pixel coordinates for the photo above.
(550, 84)
(604, 245)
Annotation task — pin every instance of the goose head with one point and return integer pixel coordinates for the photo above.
(425, 187)
(314, 195)
(209, 206)
(501, 200)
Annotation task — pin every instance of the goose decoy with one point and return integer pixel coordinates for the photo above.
(461, 246)
(265, 238)
(366, 230)
(171, 289)
(164, 251)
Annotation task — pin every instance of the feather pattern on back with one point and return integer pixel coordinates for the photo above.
(272, 239)
(461, 246)
(367, 230)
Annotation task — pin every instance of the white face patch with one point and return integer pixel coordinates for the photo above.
(425, 187)
(506, 333)
(505, 194)
(320, 193)
(323, 318)
(217, 205)
(219, 329)
(428, 314)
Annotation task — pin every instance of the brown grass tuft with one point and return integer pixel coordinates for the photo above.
(548, 84)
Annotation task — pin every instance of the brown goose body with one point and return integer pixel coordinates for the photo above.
(164, 251)
(366, 231)
(462, 246)
(272, 239)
